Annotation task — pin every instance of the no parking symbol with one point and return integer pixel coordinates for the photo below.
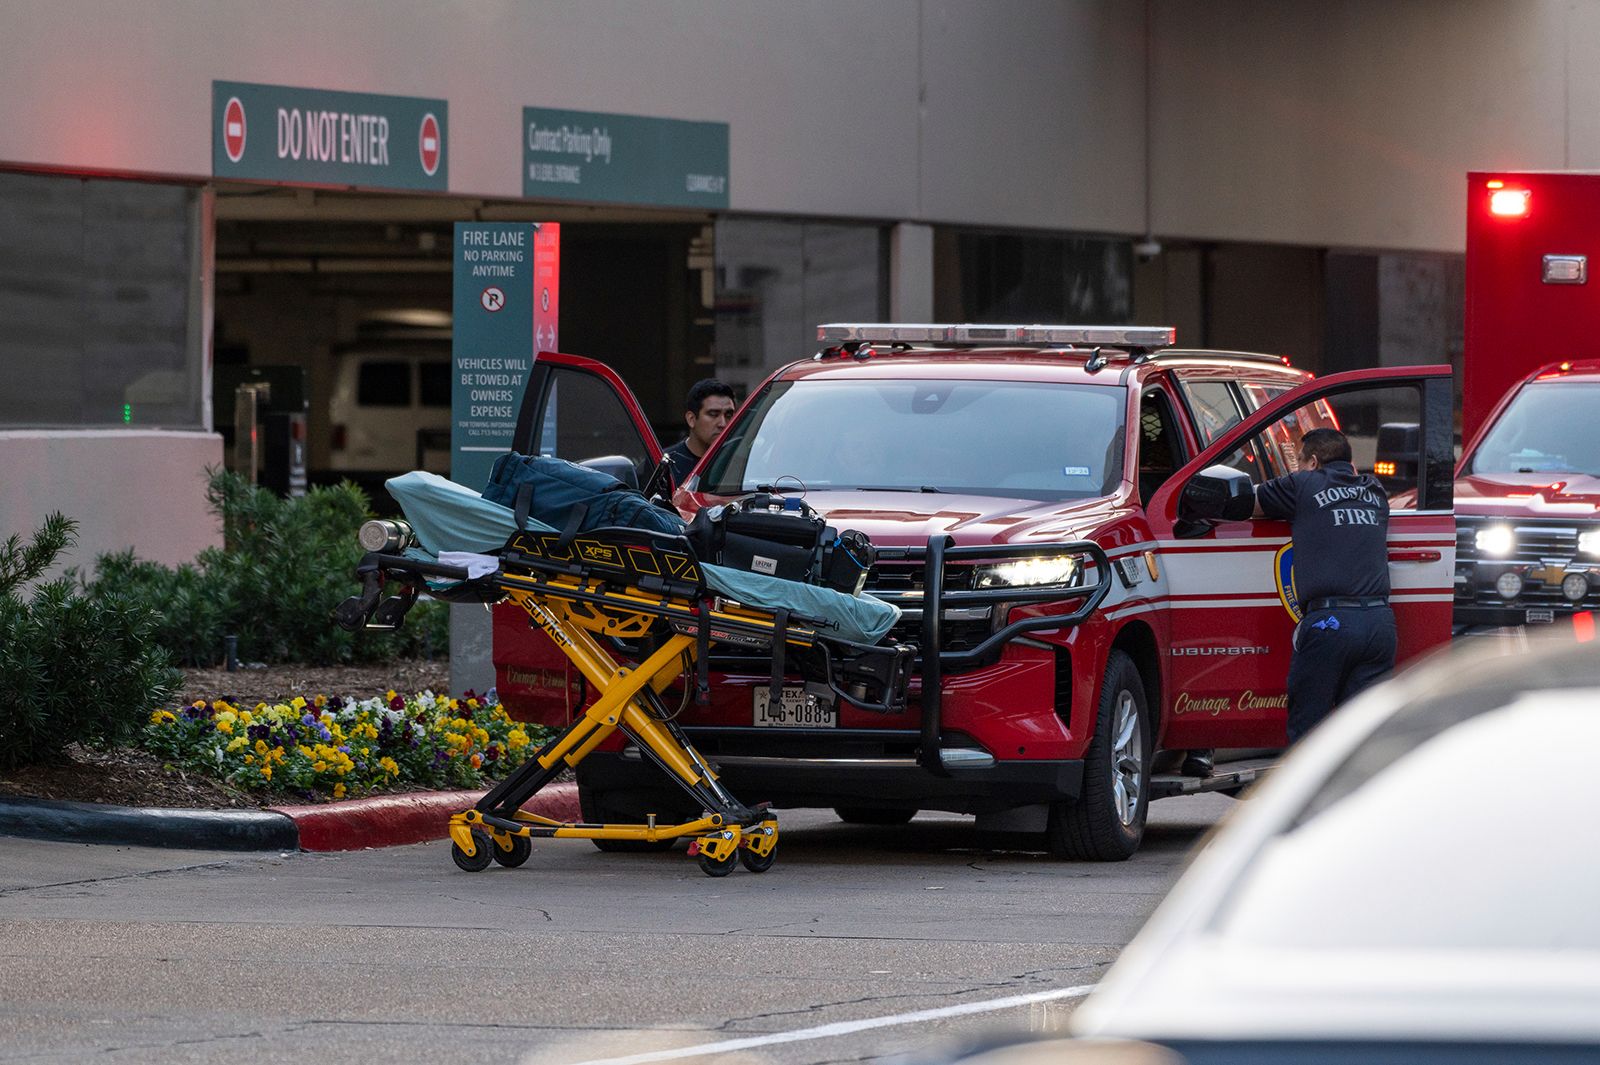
(493, 299)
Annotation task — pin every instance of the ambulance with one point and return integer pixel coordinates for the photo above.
(1062, 513)
(1528, 483)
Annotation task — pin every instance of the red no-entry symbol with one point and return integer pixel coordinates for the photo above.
(233, 129)
(429, 146)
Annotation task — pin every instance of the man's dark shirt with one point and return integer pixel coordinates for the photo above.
(1340, 523)
(683, 460)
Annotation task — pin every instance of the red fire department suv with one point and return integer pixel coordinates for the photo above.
(1025, 488)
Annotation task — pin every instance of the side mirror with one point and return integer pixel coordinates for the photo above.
(1398, 453)
(619, 466)
(1217, 493)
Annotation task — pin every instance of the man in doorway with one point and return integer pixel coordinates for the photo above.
(706, 410)
(1339, 521)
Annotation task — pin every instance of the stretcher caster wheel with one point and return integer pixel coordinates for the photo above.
(755, 862)
(712, 867)
(521, 849)
(479, 860)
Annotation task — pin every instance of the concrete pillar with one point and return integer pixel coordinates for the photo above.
(911, 272)
(471, 648)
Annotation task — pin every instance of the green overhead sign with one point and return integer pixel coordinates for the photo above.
(602, 158)
(324, 137)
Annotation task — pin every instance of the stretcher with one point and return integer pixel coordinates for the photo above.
(636, 612)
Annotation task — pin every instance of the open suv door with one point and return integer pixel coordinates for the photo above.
(1233, 606)
(579, 410)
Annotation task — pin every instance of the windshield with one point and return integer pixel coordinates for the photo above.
(1548, 428)
(1022, 439)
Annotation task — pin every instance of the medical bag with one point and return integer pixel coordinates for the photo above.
(781, 537)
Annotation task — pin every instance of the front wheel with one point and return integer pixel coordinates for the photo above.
(516, 854)
(1106, 822)
(479, 859)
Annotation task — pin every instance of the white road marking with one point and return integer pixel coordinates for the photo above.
(827, 1031)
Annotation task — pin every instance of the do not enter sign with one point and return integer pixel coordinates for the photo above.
(428, 145)
(233, 129)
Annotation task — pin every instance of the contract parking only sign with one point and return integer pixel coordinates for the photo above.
(605, 158)
(323, 137)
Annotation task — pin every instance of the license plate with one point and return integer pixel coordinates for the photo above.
(795, 710)
(1537, 616)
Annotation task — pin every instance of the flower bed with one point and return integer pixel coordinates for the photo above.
(333, 747)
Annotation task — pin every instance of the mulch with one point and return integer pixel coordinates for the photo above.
(132, 777)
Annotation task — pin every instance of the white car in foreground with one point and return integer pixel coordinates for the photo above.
(1420, 882)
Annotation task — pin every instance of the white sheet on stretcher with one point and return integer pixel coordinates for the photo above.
(450, 519)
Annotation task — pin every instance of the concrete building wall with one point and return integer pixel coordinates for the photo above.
(1353, 124)
(157, 479)
(835, 107)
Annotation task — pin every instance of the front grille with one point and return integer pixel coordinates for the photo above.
(901, 583)
(1543, 553)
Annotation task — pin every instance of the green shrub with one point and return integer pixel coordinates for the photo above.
(283, 566)
(73, 667)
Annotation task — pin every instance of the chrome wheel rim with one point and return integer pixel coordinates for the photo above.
(1127, 758)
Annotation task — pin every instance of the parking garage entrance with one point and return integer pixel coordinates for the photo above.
(341, 304)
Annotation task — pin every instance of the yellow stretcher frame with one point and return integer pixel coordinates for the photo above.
(616, 584)
(721, 838)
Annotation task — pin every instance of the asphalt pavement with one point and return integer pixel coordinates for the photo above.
(860, 944)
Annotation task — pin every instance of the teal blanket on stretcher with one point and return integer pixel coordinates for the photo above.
(447, 516)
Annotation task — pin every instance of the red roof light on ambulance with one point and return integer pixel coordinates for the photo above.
(1507, 203)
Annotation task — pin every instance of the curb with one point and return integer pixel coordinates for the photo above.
(144, 826)
(383, 821)
(390, 820)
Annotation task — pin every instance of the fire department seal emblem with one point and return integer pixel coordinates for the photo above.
(1283, 574)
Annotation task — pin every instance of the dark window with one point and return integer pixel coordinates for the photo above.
(435, 381)
(384, 384)
(98, 297)
(1161, 451)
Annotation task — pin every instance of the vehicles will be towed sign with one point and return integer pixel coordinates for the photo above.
(326, 137)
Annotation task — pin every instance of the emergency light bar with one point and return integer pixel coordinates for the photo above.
(997, 335)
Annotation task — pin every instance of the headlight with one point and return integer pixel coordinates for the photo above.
(1589, 541)
(1063, 570)
(1495, 540)
(385, 534)
(1509, 585)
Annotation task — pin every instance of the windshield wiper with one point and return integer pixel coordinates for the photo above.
(902, 488)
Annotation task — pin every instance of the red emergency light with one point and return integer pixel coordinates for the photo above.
(1507, 203)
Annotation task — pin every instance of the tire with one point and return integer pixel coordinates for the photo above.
(521, 850)
(482, 853)
(598, 808)
(711, 867)
(1106, 822)
(867, 815)
(750, 861)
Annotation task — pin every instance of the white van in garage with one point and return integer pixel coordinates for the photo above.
(389, 412)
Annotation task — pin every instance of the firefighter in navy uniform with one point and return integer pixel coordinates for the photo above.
(1340, 524)
(1339, 521)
